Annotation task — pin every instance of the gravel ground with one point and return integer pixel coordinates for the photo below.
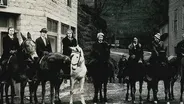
(116, 94)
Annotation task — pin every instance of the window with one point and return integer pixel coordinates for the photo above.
(69, 3)
(175, 21)
(53, 42)
(3, 2)
(64, 28)
(3, 21)
(52, 25)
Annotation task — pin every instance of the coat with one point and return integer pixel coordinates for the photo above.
(8, 45)
(137, 51)
(100, 51)
(67, 44)
(41, 47)
(180, 49)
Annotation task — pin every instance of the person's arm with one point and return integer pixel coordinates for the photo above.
(6, 49)
(38, 48)
(50, 48)
(154, 48)
(130, 49)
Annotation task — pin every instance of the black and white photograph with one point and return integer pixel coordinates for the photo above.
(91, 51)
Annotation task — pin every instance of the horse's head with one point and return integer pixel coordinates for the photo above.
(77, 56)
(29, 48)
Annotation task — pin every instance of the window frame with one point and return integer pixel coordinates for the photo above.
(175, 21)
(53, 23)
(69, 3)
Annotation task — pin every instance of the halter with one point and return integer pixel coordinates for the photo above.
(78, 59)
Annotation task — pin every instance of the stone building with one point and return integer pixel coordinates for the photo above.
(176, 23)
(32, 15)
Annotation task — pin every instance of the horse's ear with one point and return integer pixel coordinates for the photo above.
(28, 35)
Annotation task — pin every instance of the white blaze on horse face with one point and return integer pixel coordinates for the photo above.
(75, 58)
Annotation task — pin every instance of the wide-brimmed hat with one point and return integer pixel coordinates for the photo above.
(43, 30)
(158, 35)
(100, 34)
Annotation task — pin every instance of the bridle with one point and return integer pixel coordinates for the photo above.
(78, 62)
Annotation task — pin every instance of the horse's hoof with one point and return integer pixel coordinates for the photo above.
(141, 102)
(181, 102)
(155, 102)
(168, 102)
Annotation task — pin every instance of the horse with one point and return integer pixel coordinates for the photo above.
(78, 71)
(182, 80)
(16, 67)
(165, 71)
(100, 71)
(135, 72)
(51, 68)
(29, 69)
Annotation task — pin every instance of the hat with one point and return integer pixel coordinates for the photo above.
(100, 34)
(158, 35)
(43, 30)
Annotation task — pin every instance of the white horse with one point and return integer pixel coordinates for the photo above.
(78, 71)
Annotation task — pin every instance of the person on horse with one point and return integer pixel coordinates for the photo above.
(99, 49)
(180, 52)
(158, 51)
(135, 54)
(10, 47)
(43, 46)
(68, 41)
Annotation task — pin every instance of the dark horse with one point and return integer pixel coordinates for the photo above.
(19, 68)
(52, 67)
(135, 72)
(100, 72)
(165, 71)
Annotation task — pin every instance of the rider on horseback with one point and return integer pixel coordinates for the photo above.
(99, 49)
(135, 54)
(10, 47)
(158, 51)
(68, 41)
(180, 52)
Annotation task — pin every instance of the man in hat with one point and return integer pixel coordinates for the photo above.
(43, 45)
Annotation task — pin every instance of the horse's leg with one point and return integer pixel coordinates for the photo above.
(31, 90)
(127, 94)
(35, 87)
(166, 85)
(100, 90)
(52, 85)
(155, 90)
(6, 93)
(72, 82)
(1, 90)
(82, 90)
(22, 87)
(95, 83)
(140, 91)
(132, 84)
(149, 88)
(105, 91)
(12, 91)
(57, 86)
(43, 92)
(181, 96)
(172, 90)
